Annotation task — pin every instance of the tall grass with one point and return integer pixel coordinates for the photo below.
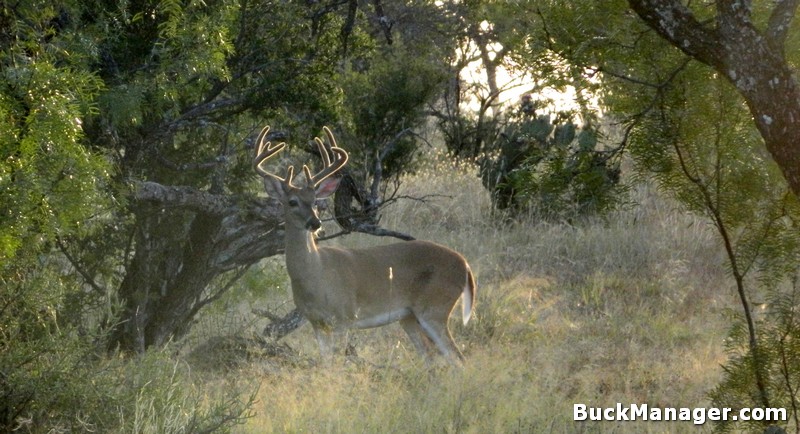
(621, 309)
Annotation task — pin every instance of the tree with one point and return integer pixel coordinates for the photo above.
(384, 106)
(56, 187)
(51, 185)
(486, 34)
(51, 188)
(184, 84)
(746, 44)
(163, 102)
(691, 128)
(699, 146)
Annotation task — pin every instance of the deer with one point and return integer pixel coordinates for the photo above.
(416, 283)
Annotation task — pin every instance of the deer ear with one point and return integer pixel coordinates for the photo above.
(327, 187)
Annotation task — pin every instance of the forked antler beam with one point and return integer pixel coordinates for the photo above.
(264, 151)
(333, 158)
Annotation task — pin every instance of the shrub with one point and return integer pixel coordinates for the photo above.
(552, 166)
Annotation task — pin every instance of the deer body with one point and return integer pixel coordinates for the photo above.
(379, 285)
(415, 282)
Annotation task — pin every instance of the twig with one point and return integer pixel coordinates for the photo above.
(236, 276)
(74, 262)
(266, 314)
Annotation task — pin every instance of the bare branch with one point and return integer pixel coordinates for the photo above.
(79, 268)
(281, 327)
(347, 27)
(369, 229)
(422, 199)
(634, 80)
(220, 292)
(377, 172)
(181, 196)
(385, 22)
(266, 314)
(779, 22)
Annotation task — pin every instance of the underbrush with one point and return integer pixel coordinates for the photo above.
(625, 309)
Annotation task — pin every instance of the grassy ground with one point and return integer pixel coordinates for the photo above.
(622, 310)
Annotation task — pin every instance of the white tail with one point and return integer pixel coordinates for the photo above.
(415, 282)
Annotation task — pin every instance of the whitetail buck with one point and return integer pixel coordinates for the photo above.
(414, 282)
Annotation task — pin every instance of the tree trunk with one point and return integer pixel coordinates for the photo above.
(751, 59)
(184, 240)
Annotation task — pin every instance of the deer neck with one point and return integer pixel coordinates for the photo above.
(302, 254)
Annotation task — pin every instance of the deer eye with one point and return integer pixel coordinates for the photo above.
(293, 202)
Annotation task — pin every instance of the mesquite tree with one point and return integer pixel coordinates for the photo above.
(716, 134)
(746, 44)
(127, 142)
(186, 87)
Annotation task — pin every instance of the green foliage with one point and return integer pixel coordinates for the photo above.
(55, 377)
(65, 102)
(691, 132)
(778, 357)
(700, 145)
(553, 168)
(52, 187)
(50, 184)
(383, 102)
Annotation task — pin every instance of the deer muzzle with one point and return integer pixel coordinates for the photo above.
(313, 224)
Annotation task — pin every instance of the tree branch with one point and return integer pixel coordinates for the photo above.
(779, 22)
(181, 197)
(369, 229)
(658, 86)
(79, 268)
(377, 174)
(734, 13)
(280, 327)
(220, 292)
(676, 23)
(385, 22)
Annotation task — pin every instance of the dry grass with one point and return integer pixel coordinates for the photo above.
(625, 309)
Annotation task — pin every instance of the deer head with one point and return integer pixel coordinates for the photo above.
(298, 201)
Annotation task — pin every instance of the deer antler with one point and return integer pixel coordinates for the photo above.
(264, 151)
(333, 159)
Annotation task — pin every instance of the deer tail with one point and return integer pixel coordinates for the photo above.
(468, 296)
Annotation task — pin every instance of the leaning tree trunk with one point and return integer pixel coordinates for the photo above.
(184, 239)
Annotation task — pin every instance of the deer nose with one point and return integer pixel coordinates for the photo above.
(313, 224)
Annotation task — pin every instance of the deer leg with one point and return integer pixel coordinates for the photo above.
(438, 332)
(333, 342)
(418, 337)
(324, 340)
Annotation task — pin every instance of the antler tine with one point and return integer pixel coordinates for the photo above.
(333, 158)
(263, 154)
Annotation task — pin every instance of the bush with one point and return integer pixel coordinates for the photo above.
(55, 375)
(553, 167)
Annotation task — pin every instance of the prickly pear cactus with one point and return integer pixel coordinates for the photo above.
(552, 166)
